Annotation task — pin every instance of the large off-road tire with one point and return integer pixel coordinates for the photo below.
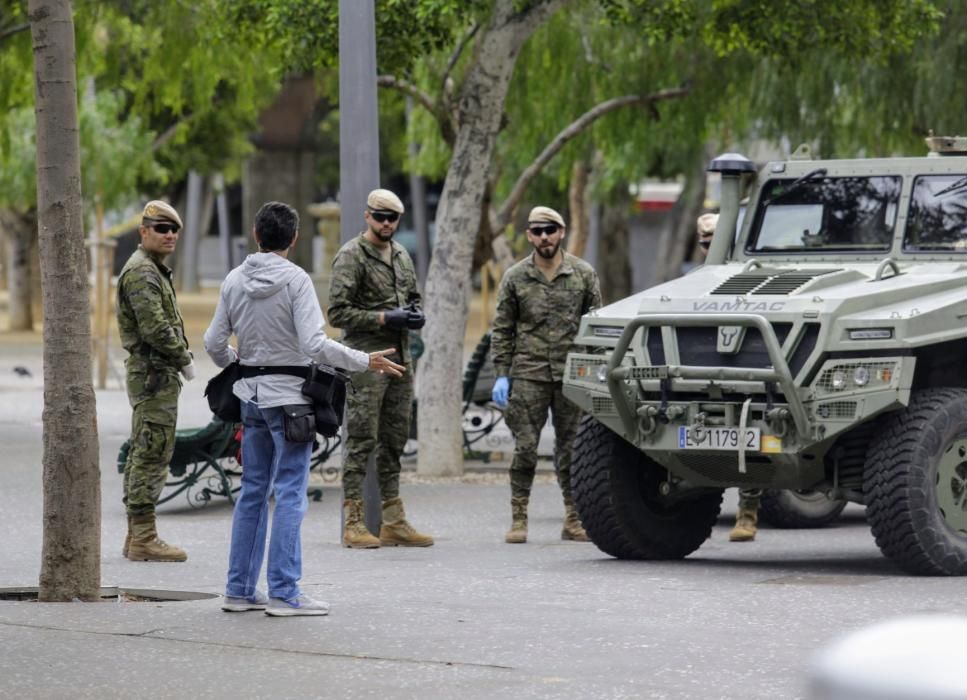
(915, 484)
(615, 488)
(785, 508)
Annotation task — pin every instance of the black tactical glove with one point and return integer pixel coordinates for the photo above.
(415, 320)
(396, 318)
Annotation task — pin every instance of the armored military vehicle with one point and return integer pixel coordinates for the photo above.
(821, 349)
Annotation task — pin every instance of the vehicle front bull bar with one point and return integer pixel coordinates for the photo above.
(779, 373)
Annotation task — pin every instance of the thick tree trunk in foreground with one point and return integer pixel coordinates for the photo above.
(458, 218)
(19, 237)
(70, 566)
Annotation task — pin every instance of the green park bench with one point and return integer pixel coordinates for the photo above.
(205, 461)
(203, 464)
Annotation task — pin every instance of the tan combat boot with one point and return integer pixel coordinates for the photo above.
(355, 534)
(745, 525)
(573, 530)
(396, 531)
(147, 546)
(127, 540)
(517, 534)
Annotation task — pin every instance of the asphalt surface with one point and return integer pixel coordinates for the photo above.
(470, 617)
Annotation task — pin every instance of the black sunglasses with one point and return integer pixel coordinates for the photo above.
(704, 243)
(548, 230)
(166, 228)
(384, 216)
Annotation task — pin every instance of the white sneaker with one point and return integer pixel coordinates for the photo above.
(256, 601)
(302, 605)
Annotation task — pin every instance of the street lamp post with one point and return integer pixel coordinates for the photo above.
(358, 155)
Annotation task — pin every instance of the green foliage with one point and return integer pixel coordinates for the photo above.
(848, 108)
(747, 66)
(305, 33)
(115, 151)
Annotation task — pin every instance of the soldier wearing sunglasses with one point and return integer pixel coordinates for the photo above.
(747, 516)
(539, 306)
(153, 333)
(374, 299)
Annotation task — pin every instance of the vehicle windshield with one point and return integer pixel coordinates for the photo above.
(826, 215)
(938, 215)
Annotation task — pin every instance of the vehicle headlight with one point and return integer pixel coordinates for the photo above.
(601, 373)
(861, 376)
(838, 380)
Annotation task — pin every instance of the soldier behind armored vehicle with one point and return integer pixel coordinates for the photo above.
(747, 517)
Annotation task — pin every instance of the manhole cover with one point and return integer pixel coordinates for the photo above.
(114, 594)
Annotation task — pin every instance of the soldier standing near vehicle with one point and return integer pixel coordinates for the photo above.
(374, 299)
(539, 307)
(153, 333)
(747, 517)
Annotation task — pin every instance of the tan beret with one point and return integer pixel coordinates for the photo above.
(706, 224)
(384, 200)
(545, 215)
(156, 211)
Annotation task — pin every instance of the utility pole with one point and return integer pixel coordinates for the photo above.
(358, 156)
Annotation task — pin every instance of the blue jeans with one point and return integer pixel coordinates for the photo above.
(268, 460)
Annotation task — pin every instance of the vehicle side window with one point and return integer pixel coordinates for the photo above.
(938, 215)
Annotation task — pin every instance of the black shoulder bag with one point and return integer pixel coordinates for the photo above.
(326, 386)
(222, 402)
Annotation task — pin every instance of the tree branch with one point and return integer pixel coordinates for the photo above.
(408, 88)
(169, 133)
(454, 57)
(7, 32)
(445, 120)
(503, 215)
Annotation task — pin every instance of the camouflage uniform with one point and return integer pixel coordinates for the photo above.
(378, 413)
(535, 326)
(153, 333)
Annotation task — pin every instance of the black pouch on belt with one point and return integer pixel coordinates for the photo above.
(299, 423)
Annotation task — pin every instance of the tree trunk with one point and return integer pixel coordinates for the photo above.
(481, 108)
(614, 269)
(577, 197)
(678, 238)
(20, 231)
(70, 561)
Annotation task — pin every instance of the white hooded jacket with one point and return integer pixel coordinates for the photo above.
(269, 304)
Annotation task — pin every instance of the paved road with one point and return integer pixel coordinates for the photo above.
(470, 617)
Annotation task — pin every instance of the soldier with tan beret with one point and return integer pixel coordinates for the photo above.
(374, 299)
(539, 306)
(153, 333)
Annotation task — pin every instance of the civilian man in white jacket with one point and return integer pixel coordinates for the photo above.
(269, 304)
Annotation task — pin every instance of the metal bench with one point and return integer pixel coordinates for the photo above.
(203, 462)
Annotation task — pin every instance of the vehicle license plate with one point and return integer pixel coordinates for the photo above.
(719, 439)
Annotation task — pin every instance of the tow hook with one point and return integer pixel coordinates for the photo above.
(647, 423)
(779, 421)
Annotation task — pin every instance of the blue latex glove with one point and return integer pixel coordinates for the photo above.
(499, 393)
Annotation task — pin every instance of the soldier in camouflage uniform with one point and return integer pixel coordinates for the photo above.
(747, 516)
(153, 333)
(374, 299)
(539, 306)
